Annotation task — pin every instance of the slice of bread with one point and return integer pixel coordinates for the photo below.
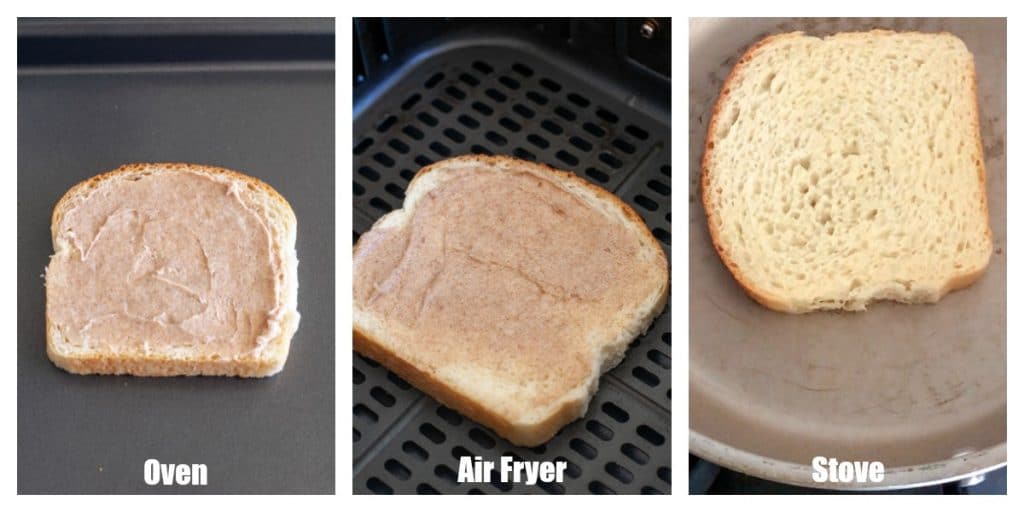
(848, 169)
(172, 269)
(504, 289)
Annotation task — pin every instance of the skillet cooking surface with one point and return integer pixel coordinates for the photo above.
(907, 385)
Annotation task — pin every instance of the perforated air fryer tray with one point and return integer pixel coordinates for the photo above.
(514, 99)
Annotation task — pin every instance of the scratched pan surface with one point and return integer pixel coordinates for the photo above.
(920, 388)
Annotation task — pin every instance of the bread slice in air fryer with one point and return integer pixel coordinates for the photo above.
(848, 169)
(504, 289)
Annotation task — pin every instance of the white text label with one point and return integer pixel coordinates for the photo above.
(832, 470)
(477, 470)
(156, 473)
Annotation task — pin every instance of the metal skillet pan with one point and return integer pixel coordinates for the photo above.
(920, 388)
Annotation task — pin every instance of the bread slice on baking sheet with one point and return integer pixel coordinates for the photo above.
(172, 269)
(848, 169)
(504, 289)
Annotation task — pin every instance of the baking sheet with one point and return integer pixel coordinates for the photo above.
(906, 385)
(84, 434)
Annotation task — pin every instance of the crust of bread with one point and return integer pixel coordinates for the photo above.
(98, 363)
(574, 404)
(522, 435)
(764, 297)
(154, 365)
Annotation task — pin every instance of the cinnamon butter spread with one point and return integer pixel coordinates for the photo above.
(505, 271)
(161, 262)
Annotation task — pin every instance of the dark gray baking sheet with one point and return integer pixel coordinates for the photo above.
(93, 433)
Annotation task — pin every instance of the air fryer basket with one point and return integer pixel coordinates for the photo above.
(509, 97)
